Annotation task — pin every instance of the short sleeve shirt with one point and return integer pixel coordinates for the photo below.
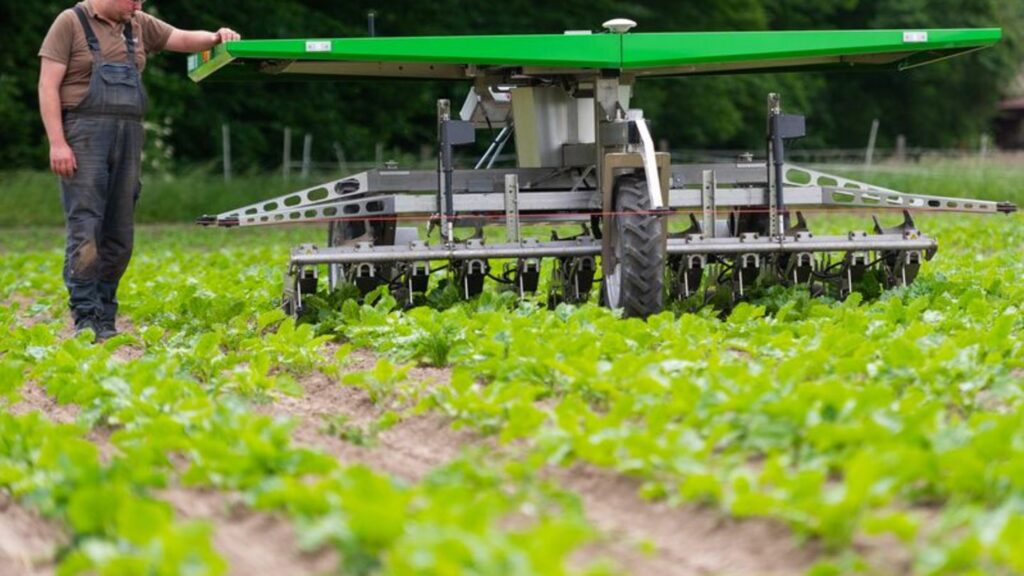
(66, 43)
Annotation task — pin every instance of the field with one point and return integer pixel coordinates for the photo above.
(876, 435)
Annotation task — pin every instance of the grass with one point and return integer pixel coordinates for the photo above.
(32, 198)
(996, 179)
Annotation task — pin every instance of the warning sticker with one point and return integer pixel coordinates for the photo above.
(915, 36)
(318, 46)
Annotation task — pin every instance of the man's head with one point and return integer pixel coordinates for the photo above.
(117, 10)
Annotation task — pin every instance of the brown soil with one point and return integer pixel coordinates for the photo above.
(885, 554)
(407, 450)
(684, 540)
(253, 543)
(28, 543)
(23, 303)
(35, 399)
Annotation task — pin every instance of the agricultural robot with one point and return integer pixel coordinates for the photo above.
(586, 159)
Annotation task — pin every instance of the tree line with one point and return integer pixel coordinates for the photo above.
(941, 105)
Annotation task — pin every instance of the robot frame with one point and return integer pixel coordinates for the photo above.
(584, 156)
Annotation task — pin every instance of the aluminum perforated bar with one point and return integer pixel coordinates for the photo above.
(876, 198)
(327, 192)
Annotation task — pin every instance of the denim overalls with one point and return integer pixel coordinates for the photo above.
(105, 133)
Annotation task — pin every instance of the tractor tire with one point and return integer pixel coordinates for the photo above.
(637, 283)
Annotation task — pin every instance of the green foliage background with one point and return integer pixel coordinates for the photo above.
(944, 105)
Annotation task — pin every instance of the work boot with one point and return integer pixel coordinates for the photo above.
(106, 329)
(84, 323)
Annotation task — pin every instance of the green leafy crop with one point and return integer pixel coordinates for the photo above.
(898, 414)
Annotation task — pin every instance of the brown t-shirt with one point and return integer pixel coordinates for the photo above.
(66, 43)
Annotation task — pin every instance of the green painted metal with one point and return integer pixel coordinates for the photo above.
(833, 49)
(656, 54)
(590, 51)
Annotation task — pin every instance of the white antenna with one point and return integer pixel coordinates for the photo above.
(619, 25)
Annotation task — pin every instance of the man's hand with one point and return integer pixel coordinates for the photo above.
(226, 35)
(62, 160)
(199, 40)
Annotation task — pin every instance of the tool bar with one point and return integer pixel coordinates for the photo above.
(365, 253)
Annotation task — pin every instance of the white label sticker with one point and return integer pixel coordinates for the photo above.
(318, 46)
(915, 36)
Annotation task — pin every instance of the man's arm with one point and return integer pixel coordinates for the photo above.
(62, 159)
(199, 40)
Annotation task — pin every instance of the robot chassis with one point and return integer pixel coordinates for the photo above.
(585, 157)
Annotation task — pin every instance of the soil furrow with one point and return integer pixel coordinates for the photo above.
(686, 540)
(253, 543)
(28, 543)
(407, 450)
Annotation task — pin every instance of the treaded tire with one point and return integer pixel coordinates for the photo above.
(637, 284)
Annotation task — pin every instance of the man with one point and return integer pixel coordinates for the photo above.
(92, 102)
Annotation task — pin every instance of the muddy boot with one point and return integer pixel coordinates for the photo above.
(105, 329)
(85, 324)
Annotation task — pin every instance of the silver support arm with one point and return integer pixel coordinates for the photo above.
(650, 164)
(366, 252)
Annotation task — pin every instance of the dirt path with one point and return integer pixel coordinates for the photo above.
(408, 450)
(686, 540)
(23, 305)
(252, 543)
(34, 399)
(28, 543)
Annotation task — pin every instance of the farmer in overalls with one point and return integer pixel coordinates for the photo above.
(92, 103)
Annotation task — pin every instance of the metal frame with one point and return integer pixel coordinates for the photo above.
(415, 200)
(567, 167)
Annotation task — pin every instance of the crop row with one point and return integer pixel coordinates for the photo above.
(182, 415)
(897, 416)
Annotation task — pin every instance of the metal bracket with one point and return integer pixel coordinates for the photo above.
(650, 164)
(707, 200)
(512, 208)
(443, 178)
(775, 226)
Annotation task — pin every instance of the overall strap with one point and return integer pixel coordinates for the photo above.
(90, 36)
(129, 41)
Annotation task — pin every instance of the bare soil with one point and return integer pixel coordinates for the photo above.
(252, 543)
(23, 304)
(682, 540)
(35, 399)
(28, 543)
(686, 540)
(408, 450)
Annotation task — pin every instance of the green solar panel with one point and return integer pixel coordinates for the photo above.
(640, 54)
